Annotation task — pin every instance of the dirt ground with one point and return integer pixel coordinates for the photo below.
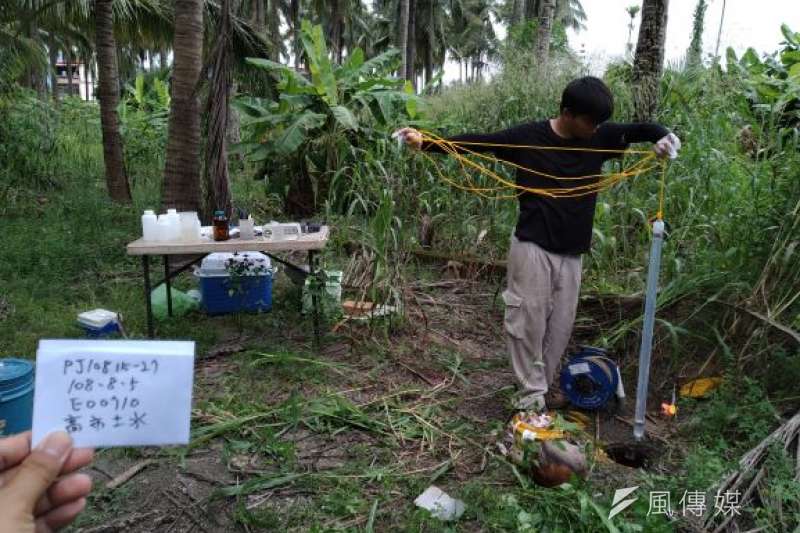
(445, 377)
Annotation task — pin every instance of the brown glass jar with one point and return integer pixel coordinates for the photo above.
(221, 232)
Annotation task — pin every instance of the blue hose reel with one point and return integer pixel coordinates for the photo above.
(590, 379)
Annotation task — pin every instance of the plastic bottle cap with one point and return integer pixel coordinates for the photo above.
(149, 212)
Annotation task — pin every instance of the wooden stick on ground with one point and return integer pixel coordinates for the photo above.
(128, 474)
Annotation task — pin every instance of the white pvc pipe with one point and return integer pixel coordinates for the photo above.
(646, 349)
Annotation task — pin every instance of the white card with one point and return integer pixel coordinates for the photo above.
(114, 393)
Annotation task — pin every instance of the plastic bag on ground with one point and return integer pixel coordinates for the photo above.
(182, 303)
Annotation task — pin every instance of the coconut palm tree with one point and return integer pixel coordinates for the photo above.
(473, 40)
(431, 37)
(181, 186)
(569, 13)
(108, 90)
(402, 34)
(23, 51)
(77, 28)
(218, 191)
(546, 13)
(649, 60)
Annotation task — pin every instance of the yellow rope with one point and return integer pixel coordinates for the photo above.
(600, 182)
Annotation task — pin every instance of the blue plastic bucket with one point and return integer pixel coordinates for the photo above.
(16, 396)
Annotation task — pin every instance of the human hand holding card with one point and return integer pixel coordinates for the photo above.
(114, 393)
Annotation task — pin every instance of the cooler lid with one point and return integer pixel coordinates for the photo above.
(97, 318)
(216, 264)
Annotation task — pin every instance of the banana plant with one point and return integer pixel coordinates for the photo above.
(324, 114)
(773, 85)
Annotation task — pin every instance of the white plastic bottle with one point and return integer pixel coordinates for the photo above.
(190, 226)
(163, 229)
(174, 221)
(149, 226)
(273, 232)
(246, 229)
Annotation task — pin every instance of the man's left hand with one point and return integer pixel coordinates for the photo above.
(667, 146)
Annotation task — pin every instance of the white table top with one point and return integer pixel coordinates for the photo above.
(306, 241)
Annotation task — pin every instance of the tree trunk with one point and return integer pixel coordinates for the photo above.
(431, 38)
(531, 9)
(181, 187)
(162, 59)
(35, 78)
(53, 56)
(335, 30)
(429, 64)
(548, 8)
(218, 191)
(70, 61)
(86, 87)
(108, 92)
(294, 9)
(649, 60)
(719, 32)
(412, 43)
(274, 24)
(234, 127)
(518, 15)
(402, 40)
(257, 16)
(262, 16)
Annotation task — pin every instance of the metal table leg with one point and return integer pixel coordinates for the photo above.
(312, 271)
(148, 305)
(169, 285)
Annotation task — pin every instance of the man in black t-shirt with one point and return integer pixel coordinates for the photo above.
(544, 264)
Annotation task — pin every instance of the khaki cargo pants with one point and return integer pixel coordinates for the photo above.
(541, 299)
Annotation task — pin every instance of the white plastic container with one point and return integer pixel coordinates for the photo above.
(163, 230)
(246, 229)
(291, 231)
(189, 226)
(278, 232)
(174, 224)
(149, 226)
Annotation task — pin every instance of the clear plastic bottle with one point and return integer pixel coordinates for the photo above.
(149, 226)
(221, 230)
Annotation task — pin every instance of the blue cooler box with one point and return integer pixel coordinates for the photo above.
(99, 323)
(16, 396)
(232, 282)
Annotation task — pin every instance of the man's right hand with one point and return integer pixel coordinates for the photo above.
(410, 136)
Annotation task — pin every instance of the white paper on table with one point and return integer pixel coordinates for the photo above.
(114, 393)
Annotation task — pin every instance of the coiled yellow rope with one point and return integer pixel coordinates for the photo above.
(600, 182)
